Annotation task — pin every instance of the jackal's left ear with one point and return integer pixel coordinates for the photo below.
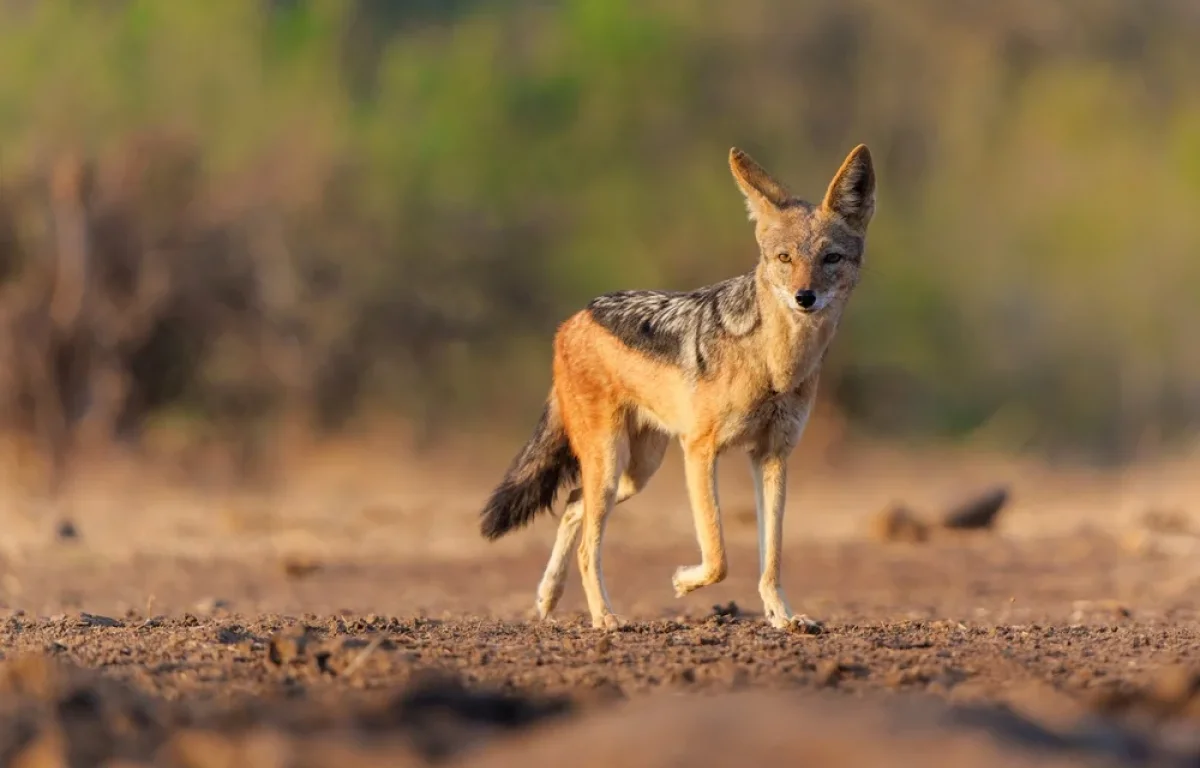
(851, 194)
(764, 195)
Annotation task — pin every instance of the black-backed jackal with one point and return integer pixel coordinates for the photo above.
(730, 365)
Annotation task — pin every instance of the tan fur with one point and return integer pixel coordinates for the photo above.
(618, 406)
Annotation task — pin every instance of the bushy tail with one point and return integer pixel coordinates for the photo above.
(544, 465)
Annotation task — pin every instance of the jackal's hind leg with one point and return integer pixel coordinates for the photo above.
(645, 457)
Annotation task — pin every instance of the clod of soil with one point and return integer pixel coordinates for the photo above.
(298, 567)
(66, 531)
(1170, 520)
(56, 714)
(828, 673)
(978, 512)
(288, 646)
(899, 523)
(90, 620)
(1174, 693)
(730, 610)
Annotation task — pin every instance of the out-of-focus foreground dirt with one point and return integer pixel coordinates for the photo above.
(355, 629)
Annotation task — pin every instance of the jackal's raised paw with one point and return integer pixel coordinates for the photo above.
(689, 578)
(681, 589)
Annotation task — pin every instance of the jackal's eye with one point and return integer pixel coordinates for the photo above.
(832, 258)
(785, 257)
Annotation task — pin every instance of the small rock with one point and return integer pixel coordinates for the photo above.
(898, 523)
(48, 749)
(202, 749)
(978, 512)
(1044, 703)
(287, 647)
(1174, 689)
(829, 672)
(1167, 521)
(92, 620)
(211, 605)
(348, 655)
(718, 620)
(604, 644)
(233, 634)
(298, 567)
(599, 692)
(730, 610)
(66, 531)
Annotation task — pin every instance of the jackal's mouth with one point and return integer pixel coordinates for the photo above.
(812, 306)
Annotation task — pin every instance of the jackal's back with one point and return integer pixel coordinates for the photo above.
(682, 329)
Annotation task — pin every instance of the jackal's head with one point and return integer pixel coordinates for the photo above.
(810, 255)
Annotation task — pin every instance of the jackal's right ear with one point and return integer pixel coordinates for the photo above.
(764, 195)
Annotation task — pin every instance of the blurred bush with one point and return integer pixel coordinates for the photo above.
(244, 215)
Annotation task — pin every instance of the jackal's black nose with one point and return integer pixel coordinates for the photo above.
(805, 298)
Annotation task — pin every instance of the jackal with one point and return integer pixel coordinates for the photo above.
(733, 364)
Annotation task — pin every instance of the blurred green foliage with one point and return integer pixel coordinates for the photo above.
(451, 179)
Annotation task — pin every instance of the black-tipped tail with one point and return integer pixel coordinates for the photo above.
(544, 465)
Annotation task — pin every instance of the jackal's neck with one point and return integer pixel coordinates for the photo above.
(793, 344)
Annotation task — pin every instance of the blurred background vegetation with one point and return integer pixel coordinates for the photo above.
(246, 217)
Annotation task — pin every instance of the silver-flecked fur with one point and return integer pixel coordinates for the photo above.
(686, 329)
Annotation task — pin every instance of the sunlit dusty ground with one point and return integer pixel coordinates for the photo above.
(194, 603)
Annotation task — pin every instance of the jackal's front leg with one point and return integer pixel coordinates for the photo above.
(770, 489)
(700, 466)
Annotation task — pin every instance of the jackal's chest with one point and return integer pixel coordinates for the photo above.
(791, 350)
(774, 421)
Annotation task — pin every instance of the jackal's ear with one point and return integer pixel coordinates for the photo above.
(852, 191)
(764, 195)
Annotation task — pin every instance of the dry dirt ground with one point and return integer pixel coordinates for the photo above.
(359, 621)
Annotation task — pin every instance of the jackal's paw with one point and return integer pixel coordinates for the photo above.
(682, 587)
(799, 624)
(546, 601)
(689, 578)
(609, 622)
